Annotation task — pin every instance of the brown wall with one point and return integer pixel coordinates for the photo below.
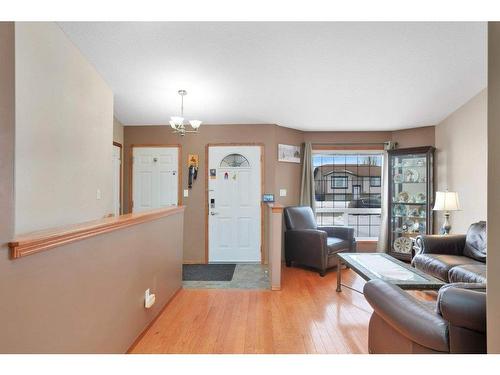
(7, 126)
(88, 296)
(493, 263)
(347, 137)
(278, 175)
(194, 237)
(414, 137)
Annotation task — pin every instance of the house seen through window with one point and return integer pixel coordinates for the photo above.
(348, 188)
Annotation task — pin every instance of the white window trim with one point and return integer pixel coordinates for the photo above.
(347, 211)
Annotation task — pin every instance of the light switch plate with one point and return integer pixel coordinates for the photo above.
(282, 192)
(186, 193)
(98, 194)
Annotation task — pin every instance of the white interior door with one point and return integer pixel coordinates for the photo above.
(155, 177)
(234, 183)
(117, 165)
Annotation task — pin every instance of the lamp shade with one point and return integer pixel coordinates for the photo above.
(446, 201)
(195, 124)
(177, 120)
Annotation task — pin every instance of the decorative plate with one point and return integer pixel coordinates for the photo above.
(403, 245)
(409, 223)
(399, 210)
(403, 197)
(420, 198)
(415, 212)
(411, 175)
(398, 178)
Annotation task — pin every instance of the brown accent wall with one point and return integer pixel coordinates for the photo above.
(493, 263)
(7, 129)
(194, 236)
(278, 175)
(88, 296)
(347, 137)
(406, 138)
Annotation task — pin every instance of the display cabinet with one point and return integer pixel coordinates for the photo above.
(411, 195)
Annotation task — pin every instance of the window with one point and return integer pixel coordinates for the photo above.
(348, 190)
(375, 181)
(234, 161)
(339, 182)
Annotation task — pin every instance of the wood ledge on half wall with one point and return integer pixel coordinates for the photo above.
(276, 207)
(35, 242)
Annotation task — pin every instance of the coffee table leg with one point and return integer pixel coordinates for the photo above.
(339, 277)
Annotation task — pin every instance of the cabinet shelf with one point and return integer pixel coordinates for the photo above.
(413, 182)
(410, 204)
(401, 161)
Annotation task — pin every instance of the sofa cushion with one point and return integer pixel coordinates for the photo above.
(335, 245)
(439, 265)
(468, 273)
(476, 241)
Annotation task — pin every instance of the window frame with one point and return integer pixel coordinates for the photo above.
(333, 177)
(379, 181)
(346, 212)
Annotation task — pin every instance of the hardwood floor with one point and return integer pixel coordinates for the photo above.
(306, 316)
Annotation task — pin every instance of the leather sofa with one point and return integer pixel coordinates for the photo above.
(454, 258)
(402, 324)
(313, 246)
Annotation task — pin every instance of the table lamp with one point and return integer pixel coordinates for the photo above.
(446, 201)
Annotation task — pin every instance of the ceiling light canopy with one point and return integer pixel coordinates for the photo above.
(177, 122)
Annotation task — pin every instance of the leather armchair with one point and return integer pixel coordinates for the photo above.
(313, 246)
(402, 324)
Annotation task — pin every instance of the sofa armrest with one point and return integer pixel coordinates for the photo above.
(437, 244)
(346, 233)
(407, 315)
(464, 305)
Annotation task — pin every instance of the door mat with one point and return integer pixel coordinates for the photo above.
(208, 272)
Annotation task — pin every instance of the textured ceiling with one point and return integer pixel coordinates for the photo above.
(309, 76)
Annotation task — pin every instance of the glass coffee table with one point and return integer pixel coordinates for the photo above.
(382, 266)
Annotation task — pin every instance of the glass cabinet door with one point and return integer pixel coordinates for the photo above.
(410, 198)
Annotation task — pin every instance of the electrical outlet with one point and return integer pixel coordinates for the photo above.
(186, 193)
(98, 194)
(282, 192)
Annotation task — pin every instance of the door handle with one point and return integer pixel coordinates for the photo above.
(214, 213)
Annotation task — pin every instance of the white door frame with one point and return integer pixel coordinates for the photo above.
(117, 144)
(131, 172)
(207, 213)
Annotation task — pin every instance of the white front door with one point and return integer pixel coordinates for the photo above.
(234, 184)
(117, 166)
(155, 177)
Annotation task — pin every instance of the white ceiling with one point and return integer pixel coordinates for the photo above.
(309, 76)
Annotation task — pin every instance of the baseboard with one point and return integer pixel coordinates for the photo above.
(141, 335)
(193, 262)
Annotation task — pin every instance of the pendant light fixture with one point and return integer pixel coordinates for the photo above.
(177, 122)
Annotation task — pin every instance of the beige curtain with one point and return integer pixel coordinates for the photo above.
(307, 182)
(383, 238)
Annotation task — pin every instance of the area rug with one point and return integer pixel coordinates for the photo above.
(208, 272)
